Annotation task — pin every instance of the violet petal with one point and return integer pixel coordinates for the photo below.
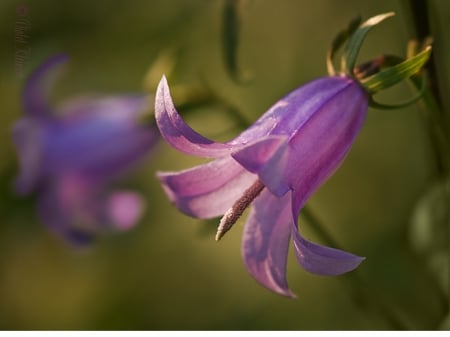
(35, 95)
(56, 211)
(254, 155)
(320, 146)
(322, 260)
(124, 209)
(178, 134)
(267, 157)
(207, 190)
(104, 139)
(265, 241)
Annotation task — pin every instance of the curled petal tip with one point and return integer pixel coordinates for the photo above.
(323, 260)
(178, 133)
(36, 87)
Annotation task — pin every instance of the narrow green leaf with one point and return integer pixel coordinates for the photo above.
(339, 41)
(392, 75)
(232, 19)
(419, 83)
(356, 40)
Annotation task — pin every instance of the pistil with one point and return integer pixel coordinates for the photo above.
(234, 213)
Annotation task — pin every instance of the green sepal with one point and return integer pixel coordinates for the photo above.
(382, 106)
(339, 41)
(390, 76)
(354, 43)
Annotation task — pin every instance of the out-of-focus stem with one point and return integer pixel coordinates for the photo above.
(364, 296)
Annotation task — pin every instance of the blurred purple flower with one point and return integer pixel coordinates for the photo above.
(277, 164)
(71, 155)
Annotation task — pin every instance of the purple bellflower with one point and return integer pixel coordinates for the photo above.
(275, 165)
(282, 159)
(73, 154)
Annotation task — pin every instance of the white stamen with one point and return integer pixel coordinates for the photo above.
(234, 213)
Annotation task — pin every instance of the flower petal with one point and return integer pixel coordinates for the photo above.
(256, 154)
(35, 94)
(178, 134)
(103, 139)
(323, 260)
(319, 148)
(257, 157)
(265, 241)
(208, 190)
(124, 209)
(321, 120)
(126, 108)
(56, 211)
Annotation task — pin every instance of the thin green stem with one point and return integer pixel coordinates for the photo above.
(364, 296)
(438, 137)
(432, 104)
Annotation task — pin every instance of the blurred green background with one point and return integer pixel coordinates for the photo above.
(168, 272)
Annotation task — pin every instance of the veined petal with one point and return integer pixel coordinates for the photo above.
(290, 113)
(180, 135)
(322, 260)
(320, 146)
(208, 190)
(321, 120)
(268, 158)
(254, 155)
(35, 93)
(265, 241)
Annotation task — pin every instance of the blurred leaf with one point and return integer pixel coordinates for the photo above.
(164, 64)
(355, 42)
(430, 220)
(232, 19)
(429, 230)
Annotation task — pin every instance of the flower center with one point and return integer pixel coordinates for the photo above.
(234, 213)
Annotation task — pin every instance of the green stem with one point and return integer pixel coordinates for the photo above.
(435, 111)
(432, 103)
(436, 132)
(364, 297)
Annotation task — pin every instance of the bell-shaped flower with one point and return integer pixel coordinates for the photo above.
(71, 155)
(275, 165)
(283, 158)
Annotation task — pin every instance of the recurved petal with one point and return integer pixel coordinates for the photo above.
(180, 135)
(265, 241)
(35, 94)
(323, 260)
(208, 190)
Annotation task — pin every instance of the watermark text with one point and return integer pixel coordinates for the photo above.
(22, 29)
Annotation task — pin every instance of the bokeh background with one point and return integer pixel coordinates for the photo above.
(168, 272)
